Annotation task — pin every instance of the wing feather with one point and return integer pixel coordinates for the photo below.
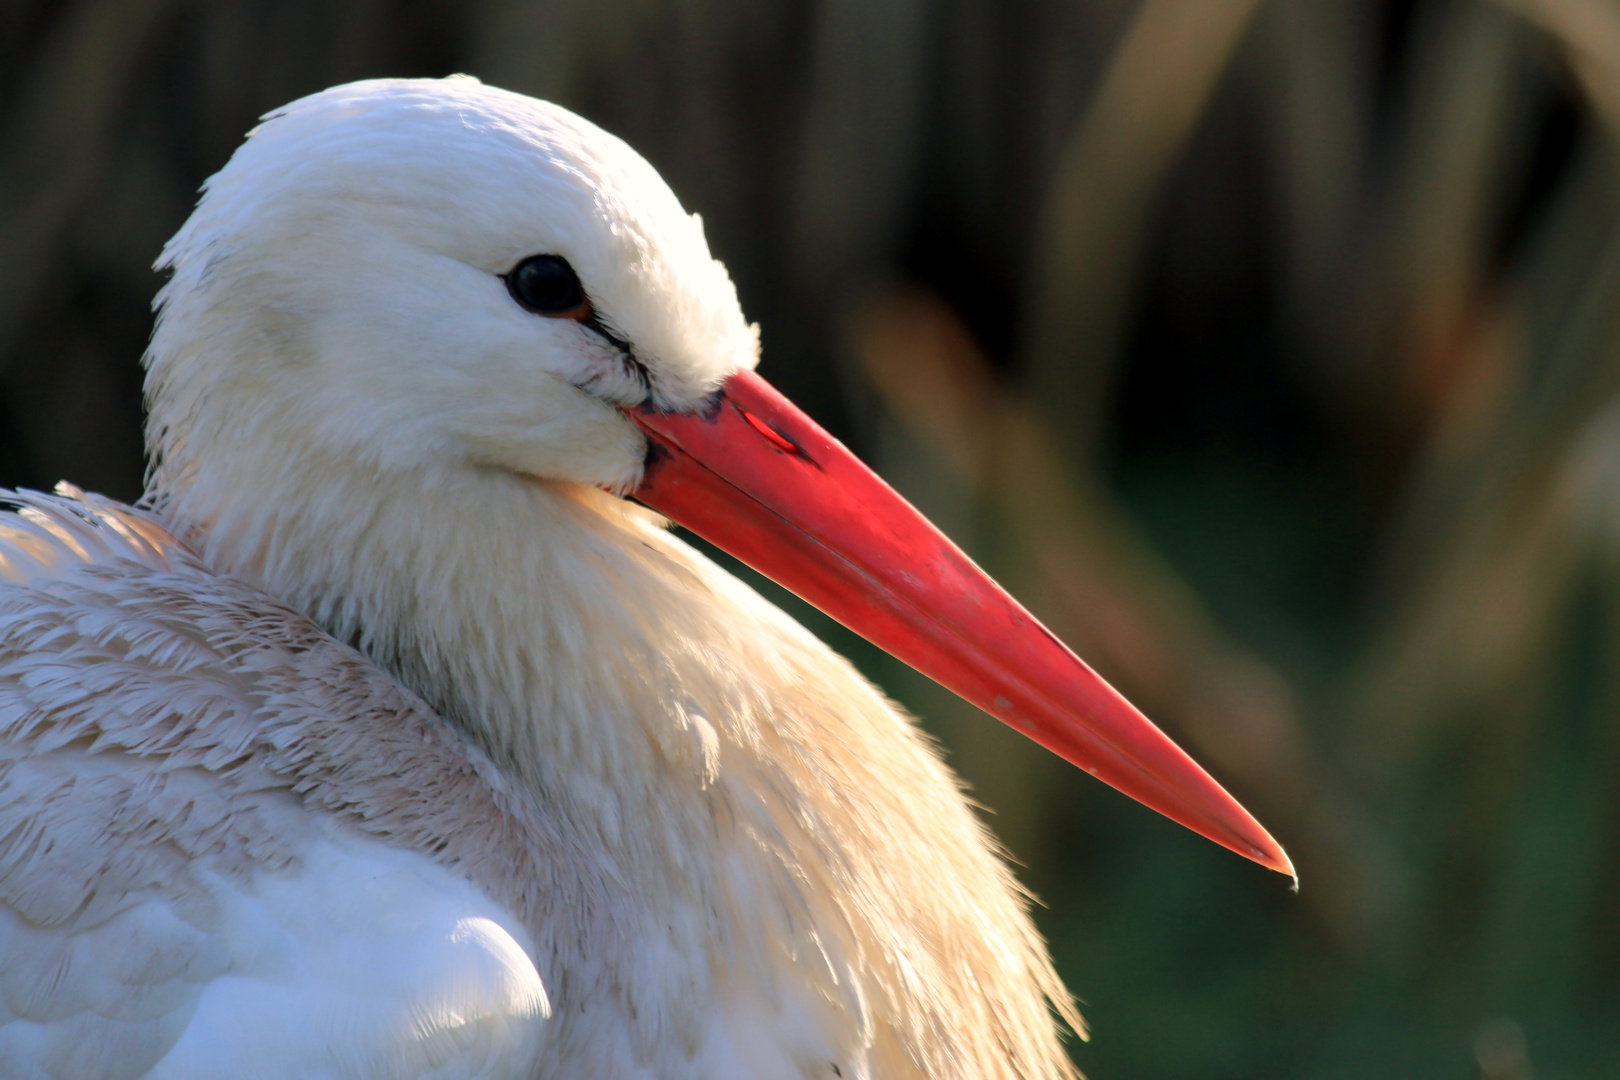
(188, 887)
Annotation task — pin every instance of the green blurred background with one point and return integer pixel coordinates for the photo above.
(1269, 349)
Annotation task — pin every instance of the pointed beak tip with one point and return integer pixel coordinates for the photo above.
(1286, 866)
(1270, 854)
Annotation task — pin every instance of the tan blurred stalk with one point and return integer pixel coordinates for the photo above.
(1589, 33)
(1090, 234)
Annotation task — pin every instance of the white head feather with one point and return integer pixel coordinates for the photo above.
(352, 252)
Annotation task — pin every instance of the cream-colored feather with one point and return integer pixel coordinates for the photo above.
(380, 597)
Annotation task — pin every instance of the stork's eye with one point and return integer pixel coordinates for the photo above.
(547, 285)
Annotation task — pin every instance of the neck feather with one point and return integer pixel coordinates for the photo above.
(559, 627)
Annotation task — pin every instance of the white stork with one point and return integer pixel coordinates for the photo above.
(386, 740)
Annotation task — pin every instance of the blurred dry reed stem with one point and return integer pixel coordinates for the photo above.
(1091, 229)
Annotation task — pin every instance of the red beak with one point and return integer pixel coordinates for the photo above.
(759, 479)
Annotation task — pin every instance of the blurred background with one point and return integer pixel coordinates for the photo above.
(1269, 349)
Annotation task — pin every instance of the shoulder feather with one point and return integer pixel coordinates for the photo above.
(115, 640)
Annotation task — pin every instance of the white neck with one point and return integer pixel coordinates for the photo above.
(548, 621)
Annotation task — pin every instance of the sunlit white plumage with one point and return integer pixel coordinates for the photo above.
(388, 743)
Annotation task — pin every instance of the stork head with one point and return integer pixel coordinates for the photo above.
(443, 281)
(437, 273)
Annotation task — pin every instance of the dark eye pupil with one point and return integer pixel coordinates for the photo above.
(546, 284)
